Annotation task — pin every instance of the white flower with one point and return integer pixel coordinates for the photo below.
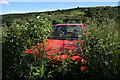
(44, 29)
(49, 15)
(38, 17)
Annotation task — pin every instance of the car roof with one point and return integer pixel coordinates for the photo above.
(68, 24)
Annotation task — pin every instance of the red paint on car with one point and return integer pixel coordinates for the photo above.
(56, 45)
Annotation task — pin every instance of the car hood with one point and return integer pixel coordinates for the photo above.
(59, 46)
(59, 49)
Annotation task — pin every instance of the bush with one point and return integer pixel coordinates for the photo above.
(102, 54)
(17, 38)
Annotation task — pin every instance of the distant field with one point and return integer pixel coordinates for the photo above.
(0, 60)
(0, 34)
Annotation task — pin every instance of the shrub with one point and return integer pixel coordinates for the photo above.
(17, 38)
(102, 54)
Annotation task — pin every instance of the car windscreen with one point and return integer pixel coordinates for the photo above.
(72, 32)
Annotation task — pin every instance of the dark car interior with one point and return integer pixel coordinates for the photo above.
(66, 32)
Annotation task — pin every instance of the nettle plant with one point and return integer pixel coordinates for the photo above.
(16, 39)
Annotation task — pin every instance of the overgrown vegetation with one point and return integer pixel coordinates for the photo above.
(101, 45)
(102, 53)
(16, 39)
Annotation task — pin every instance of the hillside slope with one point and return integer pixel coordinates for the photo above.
(96, 15)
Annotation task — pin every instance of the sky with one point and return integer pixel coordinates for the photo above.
(62, 0)
(8, 7)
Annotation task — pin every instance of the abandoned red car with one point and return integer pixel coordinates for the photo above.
(63, 42)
